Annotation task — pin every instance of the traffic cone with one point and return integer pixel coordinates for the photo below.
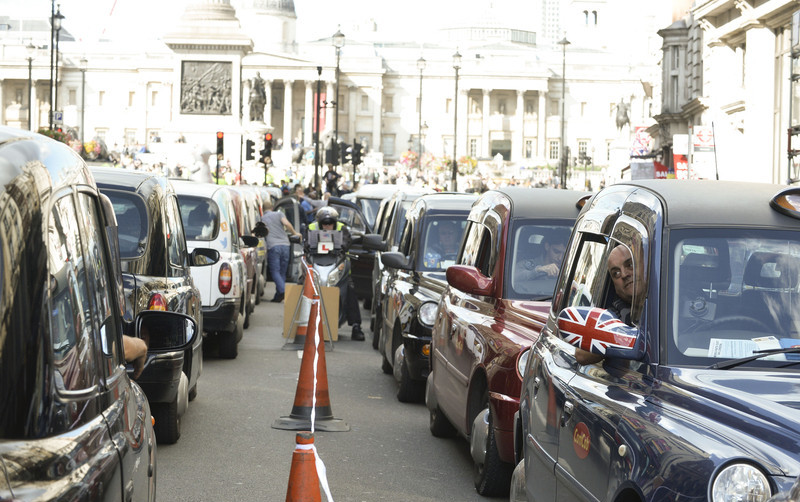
(312, 396)
(303, 478)
(301, 315)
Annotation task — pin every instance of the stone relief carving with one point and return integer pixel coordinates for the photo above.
(206, 87)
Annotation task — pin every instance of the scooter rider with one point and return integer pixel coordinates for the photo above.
(327, 218)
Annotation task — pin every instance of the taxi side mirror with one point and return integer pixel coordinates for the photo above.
(202, 257)
(165, 331)
(601, 332)
(374, 242)
(470, 280)
(396, 260)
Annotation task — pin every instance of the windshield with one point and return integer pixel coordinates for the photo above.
(441, 239)
(733, 292)
(535, 254)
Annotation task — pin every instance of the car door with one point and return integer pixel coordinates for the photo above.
(290, 207)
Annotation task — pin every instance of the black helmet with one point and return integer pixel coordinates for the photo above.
(327, 215)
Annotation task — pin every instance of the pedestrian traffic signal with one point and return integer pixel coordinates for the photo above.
(250, 150)
(220, 145)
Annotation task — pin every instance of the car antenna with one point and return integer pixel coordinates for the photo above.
(714, 135)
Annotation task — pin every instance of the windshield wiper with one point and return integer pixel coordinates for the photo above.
(757, 354)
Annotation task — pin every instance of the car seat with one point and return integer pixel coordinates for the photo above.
(769, 288)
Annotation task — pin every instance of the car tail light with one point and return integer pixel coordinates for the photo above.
(225, 279)
(157, 302)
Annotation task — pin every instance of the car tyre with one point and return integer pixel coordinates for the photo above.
(229, 341)
(492, 477)
(409, 390)
(376, 330)
(193, 393)
(439, 424)
(168, 422)
(386, 366)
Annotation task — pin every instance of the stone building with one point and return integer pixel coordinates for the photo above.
(205, 74)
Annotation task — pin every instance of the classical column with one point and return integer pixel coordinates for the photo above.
(759, 91)
(288, 133)
(518, 139)
(246, 104)
(377, 113)
(268, 105)
(463, 129)
(541, 134)
(487, 113)
(308, 122)
(34, 104)
(351, 114)
(330, 95)
(2, 107)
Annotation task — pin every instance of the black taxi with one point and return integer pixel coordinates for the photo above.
(73, 426)
(669, 367)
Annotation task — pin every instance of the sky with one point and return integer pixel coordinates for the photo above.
(93, 19)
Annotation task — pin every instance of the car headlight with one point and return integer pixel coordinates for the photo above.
(522, 361)
(427, 313)
(336, 275)
(740, 482)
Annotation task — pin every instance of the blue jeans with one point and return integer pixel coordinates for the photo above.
(278, 262)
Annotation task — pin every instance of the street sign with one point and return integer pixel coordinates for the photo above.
(58, 117)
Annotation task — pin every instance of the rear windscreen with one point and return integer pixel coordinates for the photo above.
(200, 218)
(131, 222)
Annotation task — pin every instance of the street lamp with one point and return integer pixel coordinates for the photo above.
(84, 65)
(338, 42)
(420, 66)
(423, 130)
(31, 52)
(563, 172)
(55, 28)
(316, 132)
(456, 66)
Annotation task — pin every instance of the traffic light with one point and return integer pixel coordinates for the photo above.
(250, 149)
(356, 155)
(347, 154)
(266, 153)
(220, 145)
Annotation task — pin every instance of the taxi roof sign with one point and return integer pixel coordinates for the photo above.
(787, 202)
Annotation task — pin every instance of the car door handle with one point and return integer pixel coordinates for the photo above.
(568, 407)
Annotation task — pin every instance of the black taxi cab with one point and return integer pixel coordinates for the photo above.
(73, 426)
(670, 361)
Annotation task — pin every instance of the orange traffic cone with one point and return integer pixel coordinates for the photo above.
(303, 478)
(311, 397)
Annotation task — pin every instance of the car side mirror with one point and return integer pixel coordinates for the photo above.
(601, 332)
(202, 257)
(250, 241)
(469, 279)
(165, 331)
(374, 242)
(396, 260)
(357, 238)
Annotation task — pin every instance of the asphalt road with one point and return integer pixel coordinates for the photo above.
(228, 449)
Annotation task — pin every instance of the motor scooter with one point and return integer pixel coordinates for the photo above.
(329, 263)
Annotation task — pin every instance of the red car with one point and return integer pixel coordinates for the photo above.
(492, 311)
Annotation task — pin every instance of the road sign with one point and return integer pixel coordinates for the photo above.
(58, 117)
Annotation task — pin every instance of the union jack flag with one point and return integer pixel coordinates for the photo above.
(594, 330)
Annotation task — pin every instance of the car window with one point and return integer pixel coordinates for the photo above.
(351, 218)
(200, 216)
(370, 209)
(176, 241)
(441, 238)
(733, 292)
(471, 243)
(535, 252)
(70, 304)
(402, 209)
(99, 271)
(132, 223)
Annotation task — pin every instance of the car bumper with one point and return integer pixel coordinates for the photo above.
(222, 315)
(417, 362)
(161, 377)
(504, 409)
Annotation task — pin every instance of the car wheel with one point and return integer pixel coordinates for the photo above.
(386, 366)
(229, 341)
(168, 423)
(376, 330)
(409, 390)
(517, 491)
(439, 425)
(492, 476)
(193, 393)
(367, 303)
(259, 289)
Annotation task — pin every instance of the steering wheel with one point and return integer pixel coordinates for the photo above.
(739, 319)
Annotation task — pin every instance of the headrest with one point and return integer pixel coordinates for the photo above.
(771, 270)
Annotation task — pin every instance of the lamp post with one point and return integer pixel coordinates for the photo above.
(423, 130)
(338, 42)
(420, 66)
(84, 65)
(563, 171)
(316, 130)
(456, 67)
(55, 26)
(31, 52)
